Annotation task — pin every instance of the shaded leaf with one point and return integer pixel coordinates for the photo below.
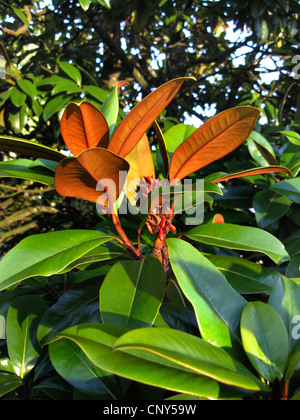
(285, 299)
(23, 318)
(162, 148)
(21, 168)
(289, 188)
(8, 383)
(78, 305)
(29, 148)
(269, 207)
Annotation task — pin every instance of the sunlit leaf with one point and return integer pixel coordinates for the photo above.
(141, 165)
(84, 127)
(78, 177)
(110, 108)
(137, 122)
(265, 340)
(255, 171)
(213, 140)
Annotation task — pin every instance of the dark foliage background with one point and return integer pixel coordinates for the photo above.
(146, 43)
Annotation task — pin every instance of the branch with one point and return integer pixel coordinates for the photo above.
(23, 28)
(130, 64)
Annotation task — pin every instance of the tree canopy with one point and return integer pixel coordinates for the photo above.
(147, 43)
(59, 51)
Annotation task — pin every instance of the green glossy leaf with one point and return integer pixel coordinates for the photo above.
(8, 383)
(291, 158)
(67, 86)
(73, 365)
(285, 299)
(100, 94)
(97, 341)
(54, 388)
(109, 251)
(294, 359)
(244, 276)
(269, 207)
(29, 148)
(218, 307)
(293, 269)
(240, 237)
(85, 4)
(292, 136)
(132, 292)
(44, 163)
(54, 106)
(105, 3)
(47, 254)
(71, 71)
(191, 352)
(21, 16)
(78, 305)
(261, 150)
(110, 108)
(23, 318)
(176, 135)
(19, 118)
(21, 168)
(17, 97)
(289, 188)
(265, 340)
(28, 87)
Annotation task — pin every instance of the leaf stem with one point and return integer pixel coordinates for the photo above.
(118, 227)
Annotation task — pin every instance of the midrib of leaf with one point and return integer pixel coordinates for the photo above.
(213, 307)
(91, 371)
(22, 368)
(208, 142)
(231, 243)
(135, 292)
(201, 371)
(267, 360)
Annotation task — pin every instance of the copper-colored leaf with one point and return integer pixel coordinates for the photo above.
(218, 218)
(78, 177)
(141, 165)
(84, 127)
(137, 122)
(213, 140)
(255, 171)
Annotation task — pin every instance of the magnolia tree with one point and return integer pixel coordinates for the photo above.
(101, 314)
